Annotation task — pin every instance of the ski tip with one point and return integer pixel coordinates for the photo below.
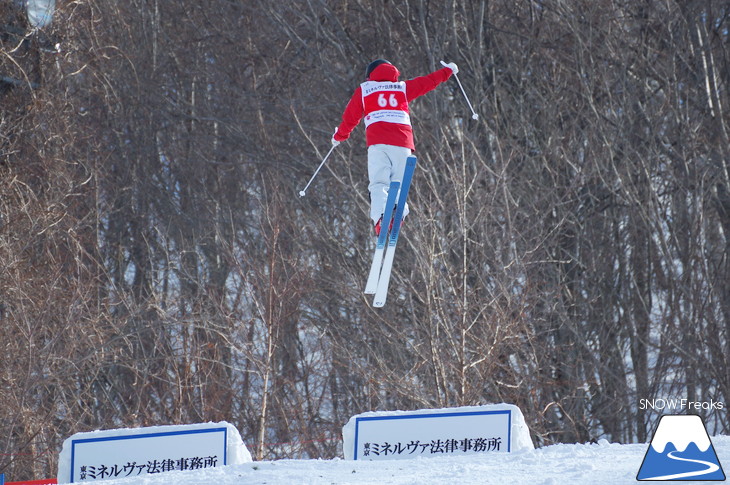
(379, 304)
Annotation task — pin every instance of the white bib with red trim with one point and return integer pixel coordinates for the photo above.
(385, 101)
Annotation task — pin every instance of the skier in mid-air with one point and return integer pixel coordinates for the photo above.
(383, 102)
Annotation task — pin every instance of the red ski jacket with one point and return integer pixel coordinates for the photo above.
(386, 109)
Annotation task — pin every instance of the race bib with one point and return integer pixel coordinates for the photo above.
(385, 101)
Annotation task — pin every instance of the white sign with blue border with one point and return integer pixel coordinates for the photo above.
(113, 454)
(455, 431)
(129, 456)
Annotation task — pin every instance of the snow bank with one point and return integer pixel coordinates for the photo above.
(579, 464)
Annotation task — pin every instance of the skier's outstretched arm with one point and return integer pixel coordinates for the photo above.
(421, 85)
(351, 117)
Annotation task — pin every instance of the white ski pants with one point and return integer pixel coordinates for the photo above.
(386, 164)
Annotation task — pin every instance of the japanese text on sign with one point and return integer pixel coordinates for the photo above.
(133, 469)
(438, 446)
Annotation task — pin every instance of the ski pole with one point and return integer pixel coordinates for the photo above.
(474, 115)
(303, 192)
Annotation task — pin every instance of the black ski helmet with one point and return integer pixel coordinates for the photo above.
(373, 65)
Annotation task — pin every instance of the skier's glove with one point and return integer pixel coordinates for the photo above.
(452, 66)
(334, 142)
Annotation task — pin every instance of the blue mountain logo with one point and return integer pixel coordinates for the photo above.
(681, 450)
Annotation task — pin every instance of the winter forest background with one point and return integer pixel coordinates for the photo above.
(567, 252)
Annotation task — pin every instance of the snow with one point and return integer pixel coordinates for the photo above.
(575, 464)
(40, 12)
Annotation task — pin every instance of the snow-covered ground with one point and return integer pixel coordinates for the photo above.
(581, 464)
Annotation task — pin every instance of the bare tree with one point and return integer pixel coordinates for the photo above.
(567, 252)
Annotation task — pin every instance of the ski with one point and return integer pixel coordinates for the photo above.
(381, 292)
(377, 263)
